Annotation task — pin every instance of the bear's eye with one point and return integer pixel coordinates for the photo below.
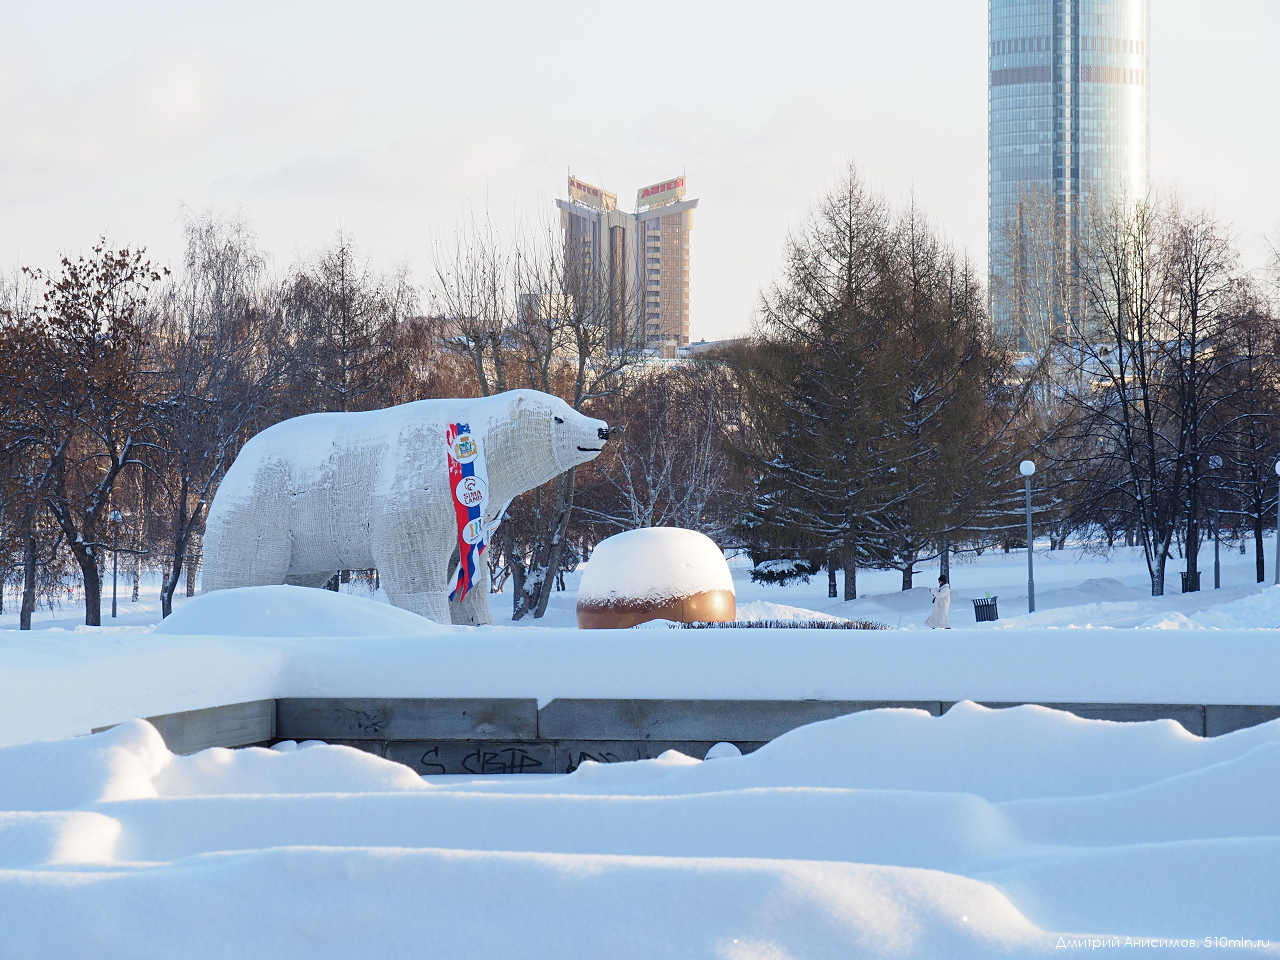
(559, 420)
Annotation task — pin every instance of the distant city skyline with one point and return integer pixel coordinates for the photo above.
(401, 122)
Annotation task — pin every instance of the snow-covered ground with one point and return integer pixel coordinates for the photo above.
(67, 679)
(1073, 588)
(883, 834)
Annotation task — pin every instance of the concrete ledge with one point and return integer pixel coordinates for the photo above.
(233, 725)
(477, 757)
(1225, 718)
(331, 718)
(697, 720)
(480, 736)
(1189, 715)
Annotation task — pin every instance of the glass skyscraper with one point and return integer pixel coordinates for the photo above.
(1067, 120)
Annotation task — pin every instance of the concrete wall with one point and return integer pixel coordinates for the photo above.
(328, 718)
(232, 725)
(481, 736)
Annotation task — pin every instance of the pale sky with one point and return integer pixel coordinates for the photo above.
(397, 120)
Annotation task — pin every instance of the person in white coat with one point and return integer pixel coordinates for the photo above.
(940, 618)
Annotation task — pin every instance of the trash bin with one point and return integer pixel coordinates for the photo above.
(1191, 584)
(984, 608)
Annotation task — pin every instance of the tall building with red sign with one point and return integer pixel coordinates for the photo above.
(638, 263)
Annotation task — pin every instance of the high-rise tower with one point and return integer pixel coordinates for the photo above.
(641, 259)
(1067, 121)
(664, 219)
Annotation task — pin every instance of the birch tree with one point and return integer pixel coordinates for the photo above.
(1152, 382)
(216, 339)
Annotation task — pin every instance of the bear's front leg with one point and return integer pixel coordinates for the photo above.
(413, 562)
(473, 611)
(409, 589)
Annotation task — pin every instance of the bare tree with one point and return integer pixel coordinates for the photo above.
(1250, 439)
(667, 463)
(23, 468)
(88, 394)
(1116, 436)
(348, 321)
(1199, 312)
(565, 335)
(473, 292)
(1031, 279)
(1153, 374)
(527, 315)
(216, 338)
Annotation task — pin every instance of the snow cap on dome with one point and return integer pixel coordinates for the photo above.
(654, 563)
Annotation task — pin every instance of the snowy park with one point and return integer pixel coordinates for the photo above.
(663, 664)
(545, 482)
(884, 833)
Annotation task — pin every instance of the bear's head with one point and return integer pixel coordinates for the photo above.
(573, 437)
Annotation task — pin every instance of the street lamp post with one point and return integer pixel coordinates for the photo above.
(1278, 531)
(116, 517)
(1215, 464)
(1027, 468)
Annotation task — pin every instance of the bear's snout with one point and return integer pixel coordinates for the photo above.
(582, 438)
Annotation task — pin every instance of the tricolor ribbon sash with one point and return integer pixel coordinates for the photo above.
(469, 481)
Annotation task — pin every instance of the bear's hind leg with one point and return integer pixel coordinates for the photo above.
(242, 549)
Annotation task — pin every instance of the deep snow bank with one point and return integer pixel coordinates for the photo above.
(284, 611)
(883, 834)
(1260, 610)
(55, 683)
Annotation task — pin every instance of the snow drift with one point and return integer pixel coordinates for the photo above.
(882, 834)
(285, 611)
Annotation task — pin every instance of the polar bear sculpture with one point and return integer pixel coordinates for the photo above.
(346, 491)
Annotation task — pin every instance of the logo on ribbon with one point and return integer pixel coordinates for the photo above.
(471, 491)
(464, 447)
(469, 481)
